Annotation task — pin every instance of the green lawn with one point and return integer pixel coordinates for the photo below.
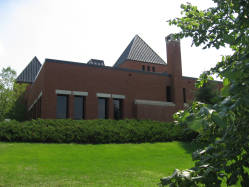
(26, 164)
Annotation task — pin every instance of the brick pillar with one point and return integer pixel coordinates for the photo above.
(91, 107)
(175, 69)
(70, 106)
(110, 108)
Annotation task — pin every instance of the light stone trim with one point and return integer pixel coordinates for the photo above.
(78, 93)
(154, 103)
(105, 95)
(116, 96)
(35, 101)
(64, 92)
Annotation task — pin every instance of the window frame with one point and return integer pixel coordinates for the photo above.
(184, 95)
(106, 107)
(120, 109)
(67, 105)
(83, 107)
(169, 94)
(148, 68)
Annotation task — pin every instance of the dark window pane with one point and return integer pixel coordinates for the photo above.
(61, 106)
(143, 67)
(168, 94)
(78, 107)
(148, 68)
(102, 108)
(184, 95)
(153, 69)
(117, 109)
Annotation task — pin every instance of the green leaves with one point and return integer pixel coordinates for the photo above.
(218, 120)
(224, 123)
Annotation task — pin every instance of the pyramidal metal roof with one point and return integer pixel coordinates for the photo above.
(138, 50)
(28, 75)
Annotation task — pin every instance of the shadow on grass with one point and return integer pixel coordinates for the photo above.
(189, 147)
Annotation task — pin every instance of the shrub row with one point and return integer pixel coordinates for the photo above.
(93, 131)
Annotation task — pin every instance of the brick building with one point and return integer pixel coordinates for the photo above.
(140, 85)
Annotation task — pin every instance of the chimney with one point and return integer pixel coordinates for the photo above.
(174, 56)
(175, 69)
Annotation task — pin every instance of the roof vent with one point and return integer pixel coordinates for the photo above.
(96, 62)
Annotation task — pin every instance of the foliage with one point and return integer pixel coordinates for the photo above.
(11, 96)
(93, 131)
(208, 93)
(18, 110)
(227, 157)
(7, 77)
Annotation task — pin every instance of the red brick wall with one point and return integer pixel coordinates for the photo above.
(189, 85)
(140, 85)
(175, 69)
(134, 85)
(158, 113)
(35, 89)
(129, 64)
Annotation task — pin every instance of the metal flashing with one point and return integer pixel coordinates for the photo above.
(78, 93)
(154, 103)
(105, 95)
(116, 96)
(63, 92)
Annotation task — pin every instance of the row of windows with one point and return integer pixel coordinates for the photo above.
(148, 68)
(79, 107)
(169, 94)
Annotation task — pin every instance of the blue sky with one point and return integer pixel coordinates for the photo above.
(78, 30)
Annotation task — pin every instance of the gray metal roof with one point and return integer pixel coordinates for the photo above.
(138, 50)
(28, 75)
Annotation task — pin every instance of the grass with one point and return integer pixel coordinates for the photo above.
(26, 164)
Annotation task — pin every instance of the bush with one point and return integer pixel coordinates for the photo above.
(93, 131)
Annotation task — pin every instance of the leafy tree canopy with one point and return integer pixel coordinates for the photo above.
(227, 157)
(11, 103)
(208, 93)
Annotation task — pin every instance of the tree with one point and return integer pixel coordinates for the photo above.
(11, 93)
(7, 78)
(18, 110)
(208, 93)
(227, 157)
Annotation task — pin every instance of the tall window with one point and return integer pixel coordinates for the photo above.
(79, 107)
(184, 95)
(118, 113)
(62, 106)
(153, 69)
(102, 108)
(168, 94)
(148, 68)
(143, 67)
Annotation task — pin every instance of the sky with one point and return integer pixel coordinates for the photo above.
(79, 30)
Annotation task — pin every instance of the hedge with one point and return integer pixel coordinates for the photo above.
(93, 131)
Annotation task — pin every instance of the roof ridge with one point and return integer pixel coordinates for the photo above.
(139, 50)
